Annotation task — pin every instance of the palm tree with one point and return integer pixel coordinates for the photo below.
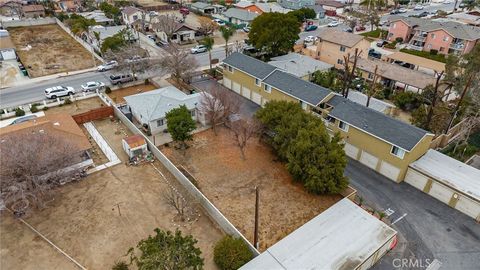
(208, 43)
(227, 33)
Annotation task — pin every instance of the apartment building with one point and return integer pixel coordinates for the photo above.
(445, 37)
(380, 142)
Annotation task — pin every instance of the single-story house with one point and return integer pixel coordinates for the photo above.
(296, 4)
(239, 16)
(203, 8)
(448, 180)
(33, 11)
(68, 5)
(131, 14)
(98, 16)
(344, 236)
(7, 48)
(106, 32)
(299, 65)
(260, 7)
(331, 7)
(149, 108)
(319, 10)
(182, 33)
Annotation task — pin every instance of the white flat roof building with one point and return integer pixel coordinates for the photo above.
(343, 237)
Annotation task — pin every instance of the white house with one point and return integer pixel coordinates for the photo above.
(106, 32)
(182, 33)
(150, 108)
(131, 14)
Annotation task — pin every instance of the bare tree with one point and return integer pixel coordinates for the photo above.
(349, 73)
(33, 164)
(176, 200)
(133, 59)
(207, 26)
(167, 24)
(243, 130)
(373, 89)
(179, 63)
(217, 104)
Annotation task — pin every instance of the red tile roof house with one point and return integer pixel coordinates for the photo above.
(426, 35)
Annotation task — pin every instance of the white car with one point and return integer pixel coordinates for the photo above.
(402, 10)
(333, 24)
(219, 22)
(310, 39)
(92, 86)
(198, 49)
(418, 7)
(107, 66)
(59, 91)
(447, 2)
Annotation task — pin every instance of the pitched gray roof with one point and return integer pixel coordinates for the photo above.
(240, 14)
(298, 64)
(250, 65)
(378, 124)
(294, 86)
(200, 5)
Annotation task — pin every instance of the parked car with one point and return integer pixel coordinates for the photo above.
(448, 2)
(381, 43)
(92, 86)
(161, 43)
(374, 54)
(333, 24)
(59, 91)
(184, 11)
(310, 28)
(219, 22)
(360, 28)
(152, 37)
(198, 49)
(246, 29)
(23, 119)
(348, 30)
(423, 14)
(121, 78)
(402, 10)
(418, 7)
(310, 39)
(394, 11)
(107, 66)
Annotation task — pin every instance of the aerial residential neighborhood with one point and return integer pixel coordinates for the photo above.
(238, 134)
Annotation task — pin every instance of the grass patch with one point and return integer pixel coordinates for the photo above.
(377, 33)
(435, 57)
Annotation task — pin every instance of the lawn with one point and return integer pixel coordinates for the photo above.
(47, 49)
(428, 55)
(99, 218)
(229, 182)
(377, 33)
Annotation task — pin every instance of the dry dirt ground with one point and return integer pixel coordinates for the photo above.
(52, 50)
(228, 181)
(117, 95)
(86, 223)
(77, 107)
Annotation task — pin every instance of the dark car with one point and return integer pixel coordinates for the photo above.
(360, 28)
(381, 43)
(311, 28)
(348, 30)
(395, 11)
(374, 54)
(423, 14)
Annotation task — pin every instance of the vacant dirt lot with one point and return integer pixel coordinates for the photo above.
(228, 181)
(47, 49)
(98, 219)
(77, 107)
(117, 95)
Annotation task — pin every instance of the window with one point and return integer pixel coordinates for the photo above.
(340, 61)
(342, 48)
(230, 69)
(370, 76)
(343, 126)
(429, 46)
(267, 88)
(442, 49)
(397, 152)
(445, 38)
(160, 122)
(394, 25)
(257, 82)
(433, 36)
(192, 113)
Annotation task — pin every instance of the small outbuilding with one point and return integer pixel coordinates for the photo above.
(135, 146)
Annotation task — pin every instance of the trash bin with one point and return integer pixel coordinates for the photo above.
(25, 72)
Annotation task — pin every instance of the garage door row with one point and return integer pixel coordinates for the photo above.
(244, 91)
(373, 162)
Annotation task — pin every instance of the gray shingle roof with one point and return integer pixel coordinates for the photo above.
(298, 64)
(294, 86)
(240, 14)
(250, 65)
(378, 124)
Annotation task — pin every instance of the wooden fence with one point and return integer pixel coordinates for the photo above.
(95, 114)
(443, 140)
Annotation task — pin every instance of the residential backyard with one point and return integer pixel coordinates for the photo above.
(118, 95)
(98, 219)
(229, 182)
(47, 49)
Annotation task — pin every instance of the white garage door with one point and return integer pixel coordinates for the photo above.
(441, 192)
(389, 170)
(351, 151)
(257, 98)
(369, 160)
(246, 92)
(416, 179)
(468, 206)
(236, 87)
(227, 83)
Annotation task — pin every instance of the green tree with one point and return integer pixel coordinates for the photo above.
(275, 33)
(180, 124)
(78, 24)
(113, 43)
(227, 33)
(111, 11)
(303, 14)
(208, 43)
(231, 253)
(327, 78)
(167, 251)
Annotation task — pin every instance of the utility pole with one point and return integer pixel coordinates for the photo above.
(255, 233)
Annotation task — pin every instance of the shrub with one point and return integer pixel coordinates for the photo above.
(108, 90)
(406, 100)
(433, 52)
(428, 55)
(392, 45)
(146, 82)
(399, 39)
(45, 108)
(121, 265)
(19, 112)
(67, 101)
(34, 108)
(231, 253)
